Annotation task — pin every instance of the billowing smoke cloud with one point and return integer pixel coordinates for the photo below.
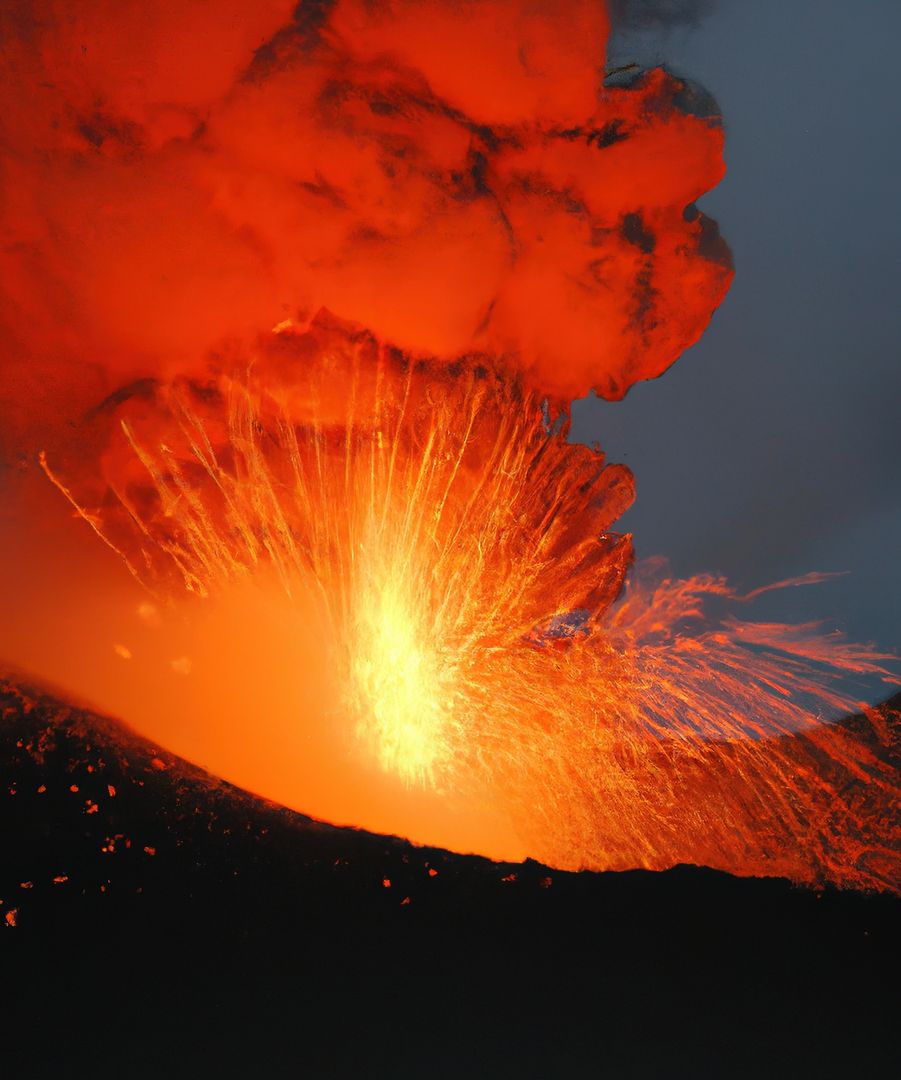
(452, 175)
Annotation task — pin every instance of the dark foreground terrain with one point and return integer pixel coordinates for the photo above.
(122, 860)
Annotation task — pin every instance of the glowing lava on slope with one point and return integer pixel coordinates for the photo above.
(314, 307)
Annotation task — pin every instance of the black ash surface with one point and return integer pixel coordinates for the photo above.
(112, 839)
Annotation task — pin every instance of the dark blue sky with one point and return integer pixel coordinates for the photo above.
(773, 447)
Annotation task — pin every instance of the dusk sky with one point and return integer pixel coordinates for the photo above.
(771, 448)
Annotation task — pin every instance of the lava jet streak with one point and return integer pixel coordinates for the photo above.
(299, 297)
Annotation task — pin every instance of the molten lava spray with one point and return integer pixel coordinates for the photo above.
(299, 297)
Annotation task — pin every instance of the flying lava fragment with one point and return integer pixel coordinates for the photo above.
(299, 296)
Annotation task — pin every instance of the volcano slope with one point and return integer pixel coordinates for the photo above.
(111, 840)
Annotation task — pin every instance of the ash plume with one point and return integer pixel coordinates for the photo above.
(453, 177)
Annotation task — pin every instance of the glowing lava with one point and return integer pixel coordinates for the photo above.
(455, 554)
(403, 689)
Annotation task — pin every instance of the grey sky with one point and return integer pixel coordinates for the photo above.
(772, 447)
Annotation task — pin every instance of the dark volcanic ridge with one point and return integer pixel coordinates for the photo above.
(111, 842)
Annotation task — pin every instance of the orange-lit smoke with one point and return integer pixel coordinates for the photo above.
(297, 297)
(451, 175)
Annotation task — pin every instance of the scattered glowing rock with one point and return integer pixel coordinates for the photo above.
(150, 614)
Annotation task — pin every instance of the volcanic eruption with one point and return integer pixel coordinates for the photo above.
(299, 297)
